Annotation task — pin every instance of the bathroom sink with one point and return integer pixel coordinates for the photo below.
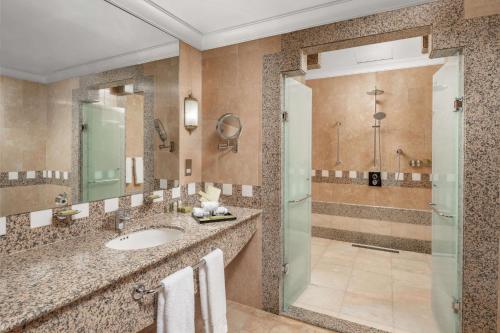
(144, 239)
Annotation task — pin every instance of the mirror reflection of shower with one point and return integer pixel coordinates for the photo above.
(377, 118)
(160, 129)
(338, 161)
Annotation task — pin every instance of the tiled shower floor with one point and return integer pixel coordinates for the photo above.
(379, 289)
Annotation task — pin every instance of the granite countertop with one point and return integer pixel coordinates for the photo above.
(38, 281)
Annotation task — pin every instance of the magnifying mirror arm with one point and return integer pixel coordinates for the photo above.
(170, 146)
(229, 145)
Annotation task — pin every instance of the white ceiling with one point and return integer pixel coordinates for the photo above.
(51, 40)
(208, 24)
(54, 39)
(404, 53)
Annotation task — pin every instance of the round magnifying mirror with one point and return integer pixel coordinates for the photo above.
(229, 126)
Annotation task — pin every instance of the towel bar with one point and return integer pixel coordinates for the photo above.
(140, 289)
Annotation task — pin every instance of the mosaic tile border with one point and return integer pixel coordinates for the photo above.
(40, 177)
(419, 180)
(412, 216)
(20, 235)
(237, 197)
(478, 39)
(398, 243)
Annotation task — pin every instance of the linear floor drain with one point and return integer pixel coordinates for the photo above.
(375, 248)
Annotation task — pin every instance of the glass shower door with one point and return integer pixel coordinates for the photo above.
(297, 189)
(103, 140)
(446, 179)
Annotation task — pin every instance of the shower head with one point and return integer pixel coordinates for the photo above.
(379, 115)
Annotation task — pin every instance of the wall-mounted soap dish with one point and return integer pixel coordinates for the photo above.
(66, 213)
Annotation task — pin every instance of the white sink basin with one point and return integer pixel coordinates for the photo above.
(144, 239)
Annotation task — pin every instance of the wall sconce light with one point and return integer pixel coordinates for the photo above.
(190, 113)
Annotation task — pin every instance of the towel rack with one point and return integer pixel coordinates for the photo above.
(140, 289)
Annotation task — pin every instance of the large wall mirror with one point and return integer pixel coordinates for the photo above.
(89, 105)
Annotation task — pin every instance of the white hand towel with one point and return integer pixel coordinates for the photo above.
(138, 170)
(176, 303)
(128, 170)
(213, 293)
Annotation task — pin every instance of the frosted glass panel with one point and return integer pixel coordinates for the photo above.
(103, 151)
(297, 201)
(446, 226)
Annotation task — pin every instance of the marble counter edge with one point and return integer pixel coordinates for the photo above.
(88, 289)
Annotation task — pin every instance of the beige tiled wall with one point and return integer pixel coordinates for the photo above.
(23, 124)
(190, 82)
(407, 103)
(59, 124)
(244, 273)
(19, 199)
(166, 108)
(232, 83)
(477, 8)
(399, 197)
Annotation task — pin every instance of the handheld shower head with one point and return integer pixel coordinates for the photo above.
(379, 115)
(161, 130)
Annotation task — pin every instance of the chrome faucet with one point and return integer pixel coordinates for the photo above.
(121, 218)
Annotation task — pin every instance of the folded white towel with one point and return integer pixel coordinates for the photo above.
(128, 170)
(176, 303)
(138, 170)
(213, 293)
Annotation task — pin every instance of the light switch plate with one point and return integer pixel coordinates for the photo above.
(188, 167)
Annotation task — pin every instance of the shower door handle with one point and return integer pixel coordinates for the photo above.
(300, 200)
(438, 212)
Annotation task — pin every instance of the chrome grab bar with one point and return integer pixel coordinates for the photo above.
(300, 200)
(438, 212)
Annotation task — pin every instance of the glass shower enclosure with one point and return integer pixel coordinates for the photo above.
(297, 189)
(446, 198)
(103, 151)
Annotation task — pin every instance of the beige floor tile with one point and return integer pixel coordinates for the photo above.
(411, 266)
(341, 251)
(412, 279)
(413, 309)
(370, 285)
(367, 308)
(336, 277)
(321, 297)
(328, 260)
(412, 256)
(320, 241)
(245, 319)
(373, 262)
